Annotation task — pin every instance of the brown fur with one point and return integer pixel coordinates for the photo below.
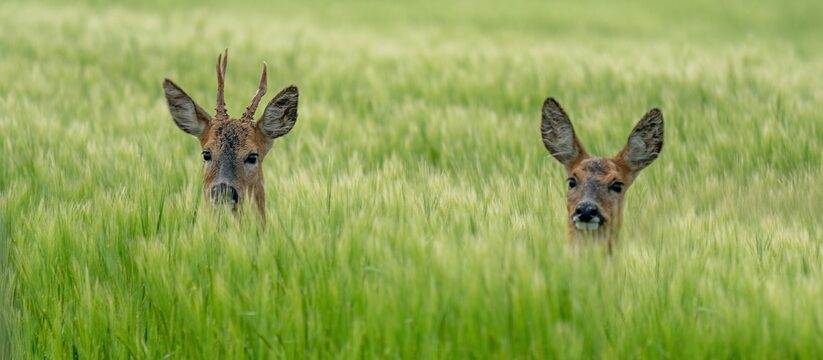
(234, 140)
(231, 143)
(595, 175)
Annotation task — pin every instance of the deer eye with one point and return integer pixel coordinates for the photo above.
(572, 183)
(206, 155)
(616, 187)
(251, 159)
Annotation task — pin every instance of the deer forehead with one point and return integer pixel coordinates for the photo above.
(232, 135)
(598, 169)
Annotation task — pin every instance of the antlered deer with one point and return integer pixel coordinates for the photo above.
(597, 185)
(233, 149)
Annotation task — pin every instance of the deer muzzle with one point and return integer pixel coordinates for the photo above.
(224, 193)
(587, 216)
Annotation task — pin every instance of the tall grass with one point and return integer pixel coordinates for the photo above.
(413, 211)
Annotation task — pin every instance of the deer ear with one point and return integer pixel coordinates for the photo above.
(558, 134)
(280, 114)
(188, 116)
(645, 141)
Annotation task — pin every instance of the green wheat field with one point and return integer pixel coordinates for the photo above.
(413, 212)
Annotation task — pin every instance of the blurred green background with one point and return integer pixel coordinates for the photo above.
(413, 211)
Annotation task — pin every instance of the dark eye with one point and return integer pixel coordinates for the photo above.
(572, 183)
(251, 159)
(616, 187)
(206, 155)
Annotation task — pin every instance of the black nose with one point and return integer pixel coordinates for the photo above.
(585, 212)
(225, 192)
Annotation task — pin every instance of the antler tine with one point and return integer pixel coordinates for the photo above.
(222, 61)
(261, 90)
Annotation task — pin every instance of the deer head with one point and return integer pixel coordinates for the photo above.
(597, 185)
(233, 149)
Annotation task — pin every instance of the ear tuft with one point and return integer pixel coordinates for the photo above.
(558, 133)
(188, 116)
(280, 114)
(645, 141)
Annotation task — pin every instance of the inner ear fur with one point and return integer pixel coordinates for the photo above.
(558, 134)
(645, 142)
(187, 115)
(280, 114)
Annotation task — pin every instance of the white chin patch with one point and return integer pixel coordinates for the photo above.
(587, 226)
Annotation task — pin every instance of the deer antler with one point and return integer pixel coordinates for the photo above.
(249, 114)
(222, 61)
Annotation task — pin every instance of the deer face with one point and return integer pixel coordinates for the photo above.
(233, 149)
(597, 185)
(595, 194)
